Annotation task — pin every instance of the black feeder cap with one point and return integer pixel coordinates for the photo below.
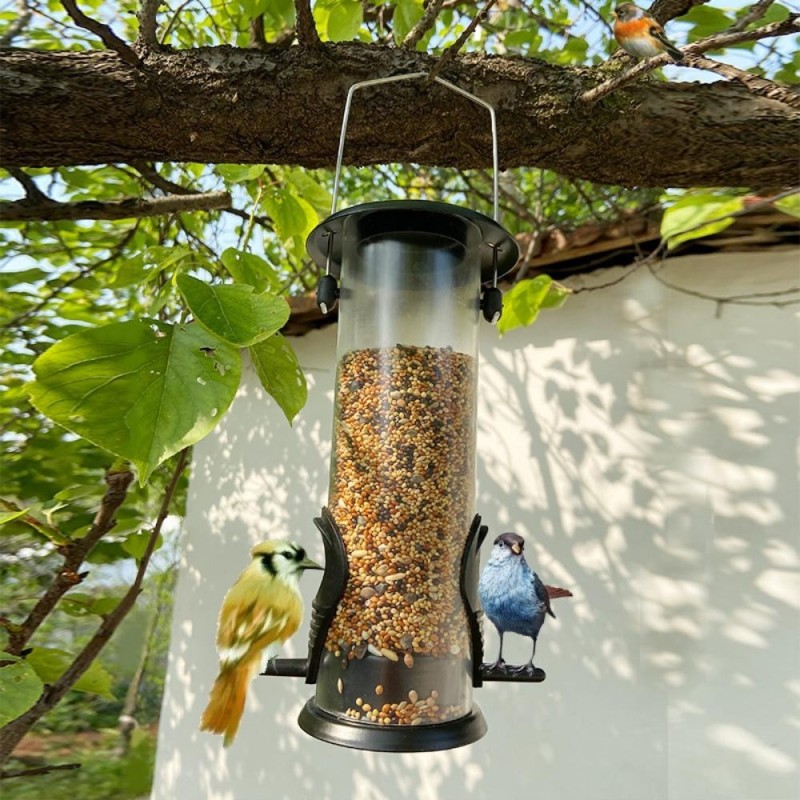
(414, 216)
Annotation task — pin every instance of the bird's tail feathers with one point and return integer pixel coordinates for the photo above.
(226, 701)
(556, 591)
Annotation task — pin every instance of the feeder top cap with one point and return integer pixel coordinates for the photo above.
(493, 236)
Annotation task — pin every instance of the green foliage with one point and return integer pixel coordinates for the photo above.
(20, 687)
(790, 204)
(698, 214)
(523, 302)
(142, 391)
(280, 374)
(50, 663)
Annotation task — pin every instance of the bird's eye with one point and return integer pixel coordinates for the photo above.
(501, 544)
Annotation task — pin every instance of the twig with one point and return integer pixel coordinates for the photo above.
(74, 554)
(719, 40)
(428, 20)
(106, 35)
(755, 13)
(33, 193)
(18, 25)
(25, 773)
(148, 25)
(757, 85)
(307, 35)
(14, 731)
(258, 39)
(451, 52)
(48, 210)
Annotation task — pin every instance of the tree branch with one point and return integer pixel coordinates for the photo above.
(148, 25)
(757, 85)
(451, 52)
(74, 554)
(718, 40)
(755, 13)
(64, 108)
(307, 35)
(106, 35)
(428, 20)
(17, 26)
(14, 731)
(44, 770)
(665, 10)
(49, 210)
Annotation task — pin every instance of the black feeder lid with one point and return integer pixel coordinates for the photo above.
(416, 215)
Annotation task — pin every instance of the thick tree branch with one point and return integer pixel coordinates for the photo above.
(665, 10)
(62, 108)
(74, 554)
(103, 32)
(48, 210)
(13, 732)
(307, 35)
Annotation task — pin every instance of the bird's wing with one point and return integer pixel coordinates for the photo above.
(555, 591)
(657, 32)
(251, 620)
(540, 590)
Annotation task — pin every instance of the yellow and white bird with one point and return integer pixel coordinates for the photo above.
(264, 607)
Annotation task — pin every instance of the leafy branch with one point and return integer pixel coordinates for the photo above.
(14, 731)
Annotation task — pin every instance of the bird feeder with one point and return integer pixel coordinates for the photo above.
(396, 643)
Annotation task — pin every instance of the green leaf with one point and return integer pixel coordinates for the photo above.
(522, 303)
(234, 313)
(136, 544)
(10, 516)
(696, 215)
(344, 20)
(50, 664)
(240, 173)
(137, 768)
(407, 13)
(556, 295)
(789, 205)
(141, 390)
(250, 269)
(20, 688)
(293, 216)
(279, 372)
(80, 604)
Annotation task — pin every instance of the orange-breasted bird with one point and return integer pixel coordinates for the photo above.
(640, 34)
(264, 607)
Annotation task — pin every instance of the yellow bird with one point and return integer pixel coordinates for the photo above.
(264, 607)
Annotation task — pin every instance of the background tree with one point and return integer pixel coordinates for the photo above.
(163, 163)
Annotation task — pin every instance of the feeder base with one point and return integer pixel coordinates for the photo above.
(392, 738)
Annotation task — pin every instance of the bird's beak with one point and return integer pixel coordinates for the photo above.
(307, 563)
(516, 549)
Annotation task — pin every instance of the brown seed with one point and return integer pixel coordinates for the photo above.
(408, 660)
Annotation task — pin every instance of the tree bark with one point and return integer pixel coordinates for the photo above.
(225, 104)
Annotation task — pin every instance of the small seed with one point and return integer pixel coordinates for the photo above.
(417, 721)
(340, 686)
(390, 654)
(359, 554)
(367, 592)
(366, 708)
(359, 701)
(412, 696)
(397, 576)
(379, 690)
(408, 660)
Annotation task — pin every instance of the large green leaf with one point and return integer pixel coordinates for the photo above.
(696, 215)
(790, 204)
(20, 688)
(50, 664)
(141, 390)
(344, 20)
(523, 301)
(250, 269)
(234, 312)
(279, 372)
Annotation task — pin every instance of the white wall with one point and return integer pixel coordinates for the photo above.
(644, 442)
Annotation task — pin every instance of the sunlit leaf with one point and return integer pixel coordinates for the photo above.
(250, 269)
(522, 303)
(280, 374)
(344, 20)
(20, 688)
(789, 205)
(696, 215)
(234, 312)
(141, 390)
(136, 544)
(239, 173)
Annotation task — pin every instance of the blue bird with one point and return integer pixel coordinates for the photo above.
(513, 597)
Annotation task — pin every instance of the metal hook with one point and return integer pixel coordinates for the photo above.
(416, 76)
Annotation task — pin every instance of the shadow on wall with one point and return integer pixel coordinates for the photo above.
(646, 454)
